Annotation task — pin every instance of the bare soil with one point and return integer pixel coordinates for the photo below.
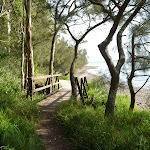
(54, 138)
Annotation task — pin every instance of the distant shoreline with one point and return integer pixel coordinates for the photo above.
(142, 97)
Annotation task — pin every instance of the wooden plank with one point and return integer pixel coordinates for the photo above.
(58, 81)
(85, 90)
(46, 76)
(80, 92)
(45, 87)
(85, 81)
(31, 88)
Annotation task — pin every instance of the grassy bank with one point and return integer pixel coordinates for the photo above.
(90, 130)
(18, 116)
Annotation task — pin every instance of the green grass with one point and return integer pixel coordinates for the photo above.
(18, 115)
(64, 78)
(89, 129)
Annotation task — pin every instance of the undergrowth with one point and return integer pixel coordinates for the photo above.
(64, 78)
(18, 115)
(89, 129)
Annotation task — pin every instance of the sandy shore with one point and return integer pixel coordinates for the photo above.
(142, 97)
(83, 73)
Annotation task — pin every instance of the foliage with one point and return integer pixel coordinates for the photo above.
(15, 20)
(64, 55)
(64, 78)
(42, 36)
(18, 115)
(89, 129)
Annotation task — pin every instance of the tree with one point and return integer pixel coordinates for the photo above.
(115, 70)
(138, 57)
(77, 42)
(61, 11)
(64, 55)
(28, 8)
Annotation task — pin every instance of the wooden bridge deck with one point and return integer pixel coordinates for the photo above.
(53, 137)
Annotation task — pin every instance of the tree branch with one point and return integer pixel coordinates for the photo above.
(142, 85)
(103, 46)
(142, 69)
(104, 9)
(119, 36)
(116, 4)
(64, 8)
(70, 32)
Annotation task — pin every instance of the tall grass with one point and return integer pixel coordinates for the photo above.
(18, 116)
(89, 129)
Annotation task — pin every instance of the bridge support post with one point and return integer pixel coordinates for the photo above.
(30, 87)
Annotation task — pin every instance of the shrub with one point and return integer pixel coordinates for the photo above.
(90, 129)
(18, 115)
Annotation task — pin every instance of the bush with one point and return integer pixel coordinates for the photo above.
(90, 129)
(18, 115)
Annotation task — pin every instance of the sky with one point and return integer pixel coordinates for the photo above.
(94, 38)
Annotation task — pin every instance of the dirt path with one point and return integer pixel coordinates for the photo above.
(52, 135)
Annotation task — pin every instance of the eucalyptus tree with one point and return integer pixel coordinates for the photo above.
(123, 14)
(29, 48)
(61, 12)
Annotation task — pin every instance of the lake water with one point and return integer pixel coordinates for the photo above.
(102, 69)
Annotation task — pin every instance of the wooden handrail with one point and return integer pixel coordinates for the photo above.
(32, 89)
(45, 87)
(44, 77)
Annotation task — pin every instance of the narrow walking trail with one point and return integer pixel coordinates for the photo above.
(52, 135)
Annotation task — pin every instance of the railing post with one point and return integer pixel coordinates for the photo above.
(85, 91)
(30, 87)
(81, 86)
(58, 82)
(52, 83)
(47, 83)
(85, 81)
(80, 91)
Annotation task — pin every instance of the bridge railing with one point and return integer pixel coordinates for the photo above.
(52, 84)
(82, 88)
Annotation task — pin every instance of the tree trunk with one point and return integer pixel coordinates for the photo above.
(26, 71)
(132, 93)
(29, 39)
(72, 78)
(9, 30)
(52, 54)
(110, 105)
(22, 61)
(115, 71)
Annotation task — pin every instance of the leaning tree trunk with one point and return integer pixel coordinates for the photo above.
(115, 70)
(132, 93)
(72, 77)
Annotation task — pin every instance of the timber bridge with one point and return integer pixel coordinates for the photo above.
(54, 85)
(57, 91)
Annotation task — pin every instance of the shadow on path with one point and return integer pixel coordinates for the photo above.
(52, 135)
